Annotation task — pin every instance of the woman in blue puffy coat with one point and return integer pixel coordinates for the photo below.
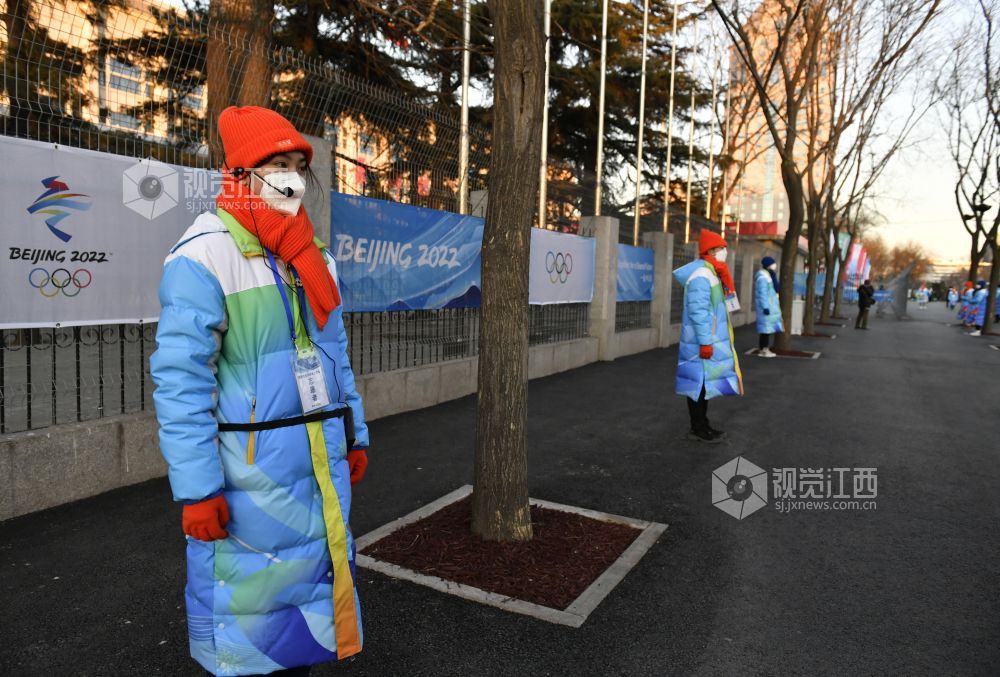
(261, 424)
(707, 365)
(765, 294)
(977, 307)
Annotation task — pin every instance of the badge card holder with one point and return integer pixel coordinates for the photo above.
(732, 303)
(306, 364)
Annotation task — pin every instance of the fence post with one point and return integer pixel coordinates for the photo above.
(659, 311)
(604, 229)
(317, 199)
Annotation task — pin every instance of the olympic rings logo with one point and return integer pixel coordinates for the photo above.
(59, 280)
(559, 266)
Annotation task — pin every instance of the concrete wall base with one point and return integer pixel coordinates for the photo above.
(45, 468)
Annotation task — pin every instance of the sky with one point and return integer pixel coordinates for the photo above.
(916, 193)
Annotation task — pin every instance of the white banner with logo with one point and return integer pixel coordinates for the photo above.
(83, 234)
(562, 268)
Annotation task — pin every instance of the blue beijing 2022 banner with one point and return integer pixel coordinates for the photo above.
(393, 256)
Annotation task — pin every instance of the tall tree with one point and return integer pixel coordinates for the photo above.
(785, 47)
(238, 60)
(500, 509)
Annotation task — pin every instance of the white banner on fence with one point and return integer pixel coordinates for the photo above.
(562, 268)
(83, 234)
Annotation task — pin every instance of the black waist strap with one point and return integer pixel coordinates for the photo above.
(343, 412)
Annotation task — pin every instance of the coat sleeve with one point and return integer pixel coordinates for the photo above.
(761, 297)
(351, 395)
(183, 367)
(699, 305)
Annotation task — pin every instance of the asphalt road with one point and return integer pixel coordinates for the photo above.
(911, 587)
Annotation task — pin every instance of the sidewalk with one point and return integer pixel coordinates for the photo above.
(96, 587)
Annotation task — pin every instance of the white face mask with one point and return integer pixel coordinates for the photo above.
(274, 191)
(720, 255)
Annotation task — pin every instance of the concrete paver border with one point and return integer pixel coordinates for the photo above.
(574, 615)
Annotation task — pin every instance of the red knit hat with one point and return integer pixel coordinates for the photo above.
(251, 134)
(708, 241)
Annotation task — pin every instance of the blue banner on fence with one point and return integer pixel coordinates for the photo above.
(635, 273)
(393, 256)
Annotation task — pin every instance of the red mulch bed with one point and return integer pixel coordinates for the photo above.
(816, 335)
(831, 324)
(793, 353)
(567, 554)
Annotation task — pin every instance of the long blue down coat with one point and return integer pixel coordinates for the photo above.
(978, 306)
(279, 591)
(766, 298)
(705, 322)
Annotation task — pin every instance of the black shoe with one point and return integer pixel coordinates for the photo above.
(716, 433)
(703, 436)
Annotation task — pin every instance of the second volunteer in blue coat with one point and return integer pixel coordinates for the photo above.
(977, 308)
(765, 294)
(707, 365)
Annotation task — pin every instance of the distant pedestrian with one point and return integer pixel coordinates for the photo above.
(923, 296)
(261, 424)
(952, 298)
(768, 305)
(964, 316)
(977, 308)
(707, 365)
(866, 299)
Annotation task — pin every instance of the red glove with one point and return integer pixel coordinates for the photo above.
(205, 520)
(705, 352)
(357, 461)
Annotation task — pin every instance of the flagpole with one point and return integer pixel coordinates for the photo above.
(642, 123)
(463, 148)
(600, 111)
(543, 219)
(687, 206)
(711, 136)
(670, 121)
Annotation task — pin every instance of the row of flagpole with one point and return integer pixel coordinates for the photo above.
(543, 169)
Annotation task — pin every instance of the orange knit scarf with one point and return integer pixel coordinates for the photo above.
(290, 237)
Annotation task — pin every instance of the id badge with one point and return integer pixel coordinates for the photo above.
(732, 303)
(309, 378)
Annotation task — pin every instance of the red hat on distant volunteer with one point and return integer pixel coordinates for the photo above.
(708, 241)
(251, 134)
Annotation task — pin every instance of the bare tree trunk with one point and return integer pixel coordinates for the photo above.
(832, 270)
(790, 250)
(974, 256)
(809, 314)
(991, 300)
(237, 68)
(500, 510)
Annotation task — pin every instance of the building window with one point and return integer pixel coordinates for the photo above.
(195, 99)
(124, 120)
(366, 144)
(125, 78)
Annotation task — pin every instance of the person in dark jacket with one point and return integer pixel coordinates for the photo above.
(866, 299)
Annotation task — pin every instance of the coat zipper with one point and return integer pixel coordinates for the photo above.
(250, 444)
